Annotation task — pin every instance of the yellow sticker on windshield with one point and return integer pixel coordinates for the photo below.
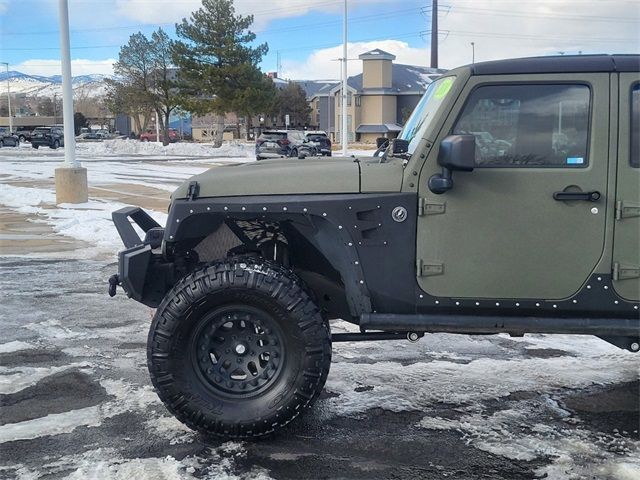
(443, 88)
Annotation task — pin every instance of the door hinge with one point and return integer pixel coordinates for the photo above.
(625, 272)
(429, 208)
(429, 269)
(627, 210)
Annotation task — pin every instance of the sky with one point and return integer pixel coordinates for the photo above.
(306, 35)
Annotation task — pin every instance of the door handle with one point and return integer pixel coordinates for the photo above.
(586, 196)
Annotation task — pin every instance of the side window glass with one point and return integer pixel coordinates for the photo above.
(634, 158)
(528, 125)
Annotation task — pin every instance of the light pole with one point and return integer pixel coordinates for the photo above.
(6, 64)
(345, 134)
(473, 53)
(71, 178)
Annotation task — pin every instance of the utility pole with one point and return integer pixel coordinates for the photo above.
(6, 64)
(473, 53)
(345, 134)
(434, 33)
(71, 178)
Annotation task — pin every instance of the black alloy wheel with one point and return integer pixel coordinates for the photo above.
(238, 350)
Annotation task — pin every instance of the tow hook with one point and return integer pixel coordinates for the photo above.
(114, 281)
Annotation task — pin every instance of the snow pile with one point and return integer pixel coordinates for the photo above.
(25, 200)
(15, 346)
(237, 150)
(90, 222)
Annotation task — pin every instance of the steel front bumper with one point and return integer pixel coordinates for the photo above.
(142, 272)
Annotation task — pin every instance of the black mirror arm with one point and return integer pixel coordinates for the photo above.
(440, 183)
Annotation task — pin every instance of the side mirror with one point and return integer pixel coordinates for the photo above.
(457, 153)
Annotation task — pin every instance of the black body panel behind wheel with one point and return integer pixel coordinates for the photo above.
(238, 349)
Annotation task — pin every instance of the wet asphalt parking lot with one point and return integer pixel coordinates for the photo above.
(76, 401)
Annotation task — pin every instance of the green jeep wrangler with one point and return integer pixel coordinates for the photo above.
(508, 203)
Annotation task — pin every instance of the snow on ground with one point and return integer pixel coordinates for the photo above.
(125, 161)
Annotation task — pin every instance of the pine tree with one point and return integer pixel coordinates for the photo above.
(218, 66)
(292, 101)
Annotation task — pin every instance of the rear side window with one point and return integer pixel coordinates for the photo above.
(528, 125)
(635, 126)
(316, 137)
(272, 136)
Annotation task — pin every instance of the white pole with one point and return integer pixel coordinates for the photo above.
(345, 134)
(9, 98)
(67, 91)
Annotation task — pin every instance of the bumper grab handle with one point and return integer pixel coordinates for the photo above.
(125, 229)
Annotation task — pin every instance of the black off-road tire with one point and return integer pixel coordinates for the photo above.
(188, 371)
(55, 145)
(35, 146)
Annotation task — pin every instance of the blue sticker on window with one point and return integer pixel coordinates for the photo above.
(575, 160)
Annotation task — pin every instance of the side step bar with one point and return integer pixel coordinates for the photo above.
(624, 327)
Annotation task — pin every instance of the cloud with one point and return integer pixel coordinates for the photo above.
(506, 29)
(167, 11)
(499, 29)
(54, 67)
(4, 4)
(322, 64)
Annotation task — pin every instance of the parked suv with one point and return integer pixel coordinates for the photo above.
(282, 143)
(7, 139)
(23, 134)
(321, 142)
(509, 203)
(52, 137)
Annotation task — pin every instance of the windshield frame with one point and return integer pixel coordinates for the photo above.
(426, 111)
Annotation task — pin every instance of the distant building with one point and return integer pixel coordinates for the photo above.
(380, 99)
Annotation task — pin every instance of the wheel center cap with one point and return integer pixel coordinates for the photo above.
(240, 349)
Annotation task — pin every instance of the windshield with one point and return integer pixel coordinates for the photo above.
(424, 113)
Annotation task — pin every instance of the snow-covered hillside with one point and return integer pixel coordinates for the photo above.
(36, 85)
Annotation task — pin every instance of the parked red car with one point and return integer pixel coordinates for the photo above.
(150, 136)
